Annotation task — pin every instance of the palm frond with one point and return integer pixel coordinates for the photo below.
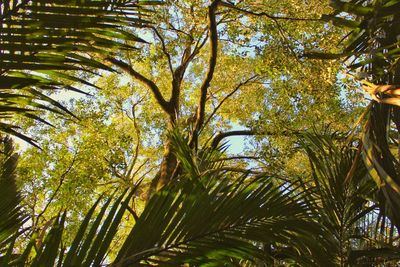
(380, 255)
(374, 48)
(41, 40)
(211, 220)
(382, 163)
(372, 43)
(11, 216)
(342, 190)
(90, 245)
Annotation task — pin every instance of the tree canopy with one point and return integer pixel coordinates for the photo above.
(211, 133)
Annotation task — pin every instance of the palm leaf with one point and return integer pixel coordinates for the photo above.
(11, 217)
(374, 47)
(40, 40)
(210, 219)
(372, 43)
(382, 164)
(342, 189)
(365, 256)
(90, 245)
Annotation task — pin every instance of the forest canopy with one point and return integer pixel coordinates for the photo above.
(199, 133)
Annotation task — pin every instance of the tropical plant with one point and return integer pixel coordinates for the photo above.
(375, 46)
(372, 47)
(47, 45)
(207, 217)
(344, 198)
(213, 216)
(210, 216)
(207, 213)
(11, 217)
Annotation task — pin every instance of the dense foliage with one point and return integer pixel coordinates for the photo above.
(199, 133)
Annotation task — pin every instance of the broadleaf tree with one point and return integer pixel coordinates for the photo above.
(212, 70)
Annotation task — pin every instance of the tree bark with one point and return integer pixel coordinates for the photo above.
(168, 163)
(171, 106)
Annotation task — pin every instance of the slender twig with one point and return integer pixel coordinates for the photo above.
(139, 168)
(164, 48)
(62, 178)
(149, 83)
(264, 14)
(286, 40)
(228, 96)
(128, 174)
(238, 157)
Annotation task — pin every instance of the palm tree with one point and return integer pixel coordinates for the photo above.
(343, 194)
(207, 216)
(11, 217)
(214, 217)
(45, 46)
(376, 40)
(372, 46)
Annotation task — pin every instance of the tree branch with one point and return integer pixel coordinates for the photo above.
(200, 43)
(264, 14)
(213, 36)
(226, 97)
(128, 174)
(149, 83)
(164, 48)
(237, 157)
(62, 178)
(218, 138)
(178, 74)
(138, 169)
(172, 27)
(286, 40)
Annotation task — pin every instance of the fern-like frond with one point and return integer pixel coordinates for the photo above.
(11, 216)
(45, 45)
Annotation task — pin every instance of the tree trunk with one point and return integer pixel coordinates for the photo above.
(168, 165)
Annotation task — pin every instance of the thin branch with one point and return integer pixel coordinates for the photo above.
(264, 14)
(172, 27)
(149, 83)
(238, 157)
(113, 169)
(218, 138)
(213, 36)
(109, 182)
(179, 73)
(200, 43)
(147, 172)
(128, 174)
(286, 40)
(139, 168)
(226, 97)
(164, 48)
(250, 46)
(62, 178)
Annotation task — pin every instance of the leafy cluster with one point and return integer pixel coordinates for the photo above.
(159, 188)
